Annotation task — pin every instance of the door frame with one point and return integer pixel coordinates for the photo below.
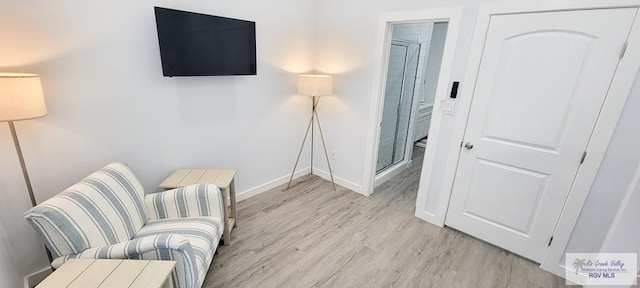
(601, 135)
(452, 15)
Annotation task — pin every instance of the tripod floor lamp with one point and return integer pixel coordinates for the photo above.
(21, 98)
(314, 86)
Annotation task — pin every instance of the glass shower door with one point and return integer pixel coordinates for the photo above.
(396, 114)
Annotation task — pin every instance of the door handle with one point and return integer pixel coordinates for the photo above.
(468, 145)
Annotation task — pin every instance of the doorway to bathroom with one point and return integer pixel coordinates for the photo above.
(428, 96)
(413, 66)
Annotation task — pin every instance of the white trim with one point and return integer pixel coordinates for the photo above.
(339, 181)
(381, 60)
(444, 83)
(270, 185)
(607, 121)
(460, 121)
(451, 15)
(35, 278)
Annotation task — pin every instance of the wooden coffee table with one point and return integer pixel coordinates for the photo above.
(223, 178)
(109, 273)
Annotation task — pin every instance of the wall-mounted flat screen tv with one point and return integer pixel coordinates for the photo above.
(193, 44)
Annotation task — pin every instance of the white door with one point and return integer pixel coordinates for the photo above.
(541, 83)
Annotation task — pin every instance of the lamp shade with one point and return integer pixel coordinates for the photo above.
(21, 97)
(315, 85)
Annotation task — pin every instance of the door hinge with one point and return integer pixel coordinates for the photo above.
(584, 155)
(550, 240)
(624, 49)
(461, 143)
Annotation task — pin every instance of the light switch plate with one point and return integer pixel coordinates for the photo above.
(447, 106)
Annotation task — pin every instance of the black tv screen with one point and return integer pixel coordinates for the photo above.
(193, 44)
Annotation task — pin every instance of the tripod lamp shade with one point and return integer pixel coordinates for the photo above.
(21, 97)
(315, 85)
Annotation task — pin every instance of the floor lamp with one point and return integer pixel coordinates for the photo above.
(21, 98)
(314, 86)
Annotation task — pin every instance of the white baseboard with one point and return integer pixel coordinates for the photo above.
(270, 185)
(284, 179)
(35, 278)
(340, 181)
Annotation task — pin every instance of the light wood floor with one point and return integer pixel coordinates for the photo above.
(312, 236)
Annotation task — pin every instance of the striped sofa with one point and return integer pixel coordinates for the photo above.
(108, 216)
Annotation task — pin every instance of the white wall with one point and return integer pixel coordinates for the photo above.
(20, 251)
(107, 101)
(624, 235)
(10, 265)
(434, 62)
(616, 173)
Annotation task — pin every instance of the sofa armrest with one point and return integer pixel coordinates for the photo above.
(158, 247)
(199, 200)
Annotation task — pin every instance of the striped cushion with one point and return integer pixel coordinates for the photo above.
(189, 201)
(202, 232)
(159, 247)
(105, 208)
